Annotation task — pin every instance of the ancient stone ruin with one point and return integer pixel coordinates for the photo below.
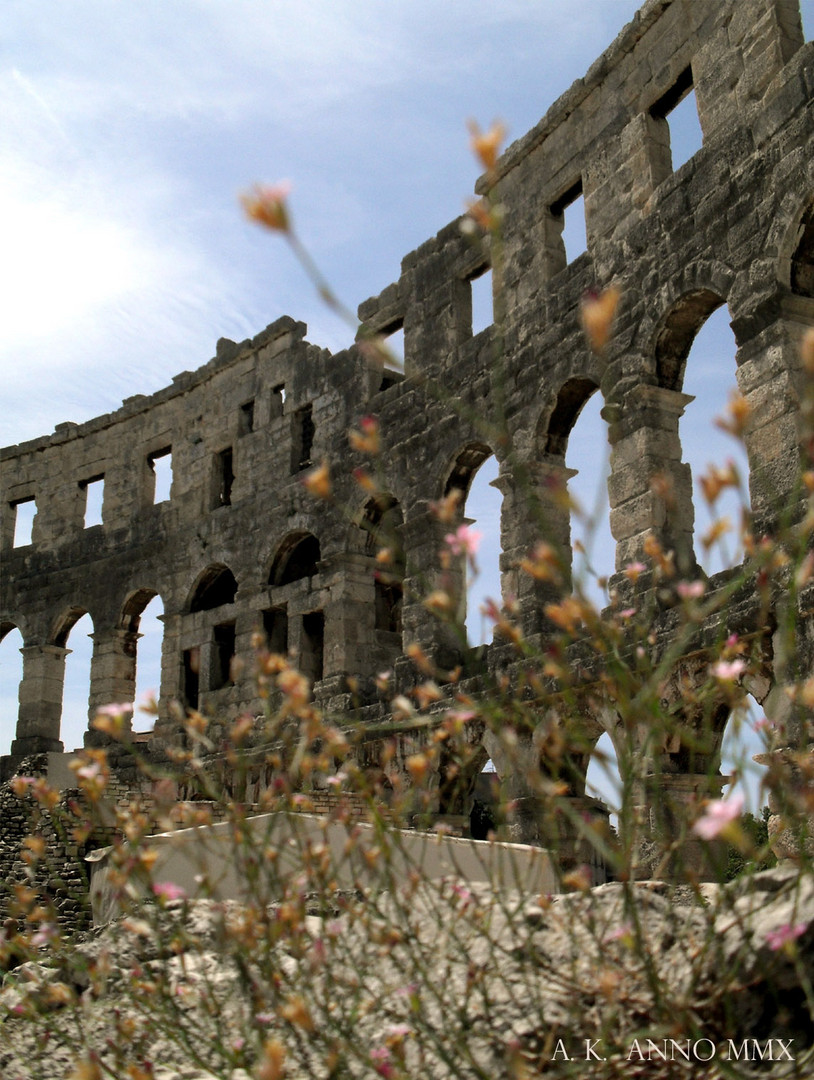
(240, 546)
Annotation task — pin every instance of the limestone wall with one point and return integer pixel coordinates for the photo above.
(240, 546)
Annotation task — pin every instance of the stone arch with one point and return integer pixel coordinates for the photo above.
(133, 606)
(569, 403)
(297, 557)
(801, 276)
(11, 676)
(214, 587)
(677, 332)
(466, 463)
(13, 621)
(129, 664)
(459, 580)
(457, 782)
(64, 624)
(791, 237)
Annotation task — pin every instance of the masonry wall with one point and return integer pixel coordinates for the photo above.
(240, 546)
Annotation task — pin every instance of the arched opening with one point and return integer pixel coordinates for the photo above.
(588, 453)
(11, 674)
(482, 508)
(802, 261)
(602, 779)
(709, 377)
(215, 587)
(75, 633)
(297, 558)
(143, 615)
(744, 736)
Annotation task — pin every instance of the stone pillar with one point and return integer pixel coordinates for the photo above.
(673, 801)
(350, 614)
(771, 379)
(534, 509)
(112, 668)
(439, 637)
(644, 440)
(41, 688)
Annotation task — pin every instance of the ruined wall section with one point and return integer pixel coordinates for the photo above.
(731, 226)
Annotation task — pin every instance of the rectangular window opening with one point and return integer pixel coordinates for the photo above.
(275, 627)
(191, 676)
(160, 465)
(571, 208)
(303, 439)
(394, 344)
(277, 400)
(24, 510)
(246, 423)
(224, 654)
(483, 310)
(679, 109)
(94, 489)
(224, 478)
(313, 643)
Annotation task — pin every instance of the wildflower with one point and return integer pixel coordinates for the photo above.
(785, 935)
(623, 933)
(739, 411)
(124, 708)
(598, 310)
(381, 1060)
(364, 479)
(464, 541)
(113, 723)
(718, 816)
(295, 1011)
(272, 1063)
(728, 670)
(417, 766)
(439, 601)
(446, 509)
(486, 144)
(367, 439)
(715, 480)
(318, 481)
(168, 890)
(543, 564)
(633, 571)
(266, 204)
(691, 590)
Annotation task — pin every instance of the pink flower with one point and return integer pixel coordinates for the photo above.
(464, 541)
(123, 708)
(623, 933)
(728, 670)
(691, 590)
(718, 814)
(784, 935)
(168, 890)
(382, 1061)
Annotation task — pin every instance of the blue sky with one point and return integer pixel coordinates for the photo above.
(127, 131)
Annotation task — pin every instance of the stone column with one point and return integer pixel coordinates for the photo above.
(643, 433)
(112, 668)
(350, 614)
(423, 537)
(673, 801)
(772, 381)
(534, 509)
(41, 688)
